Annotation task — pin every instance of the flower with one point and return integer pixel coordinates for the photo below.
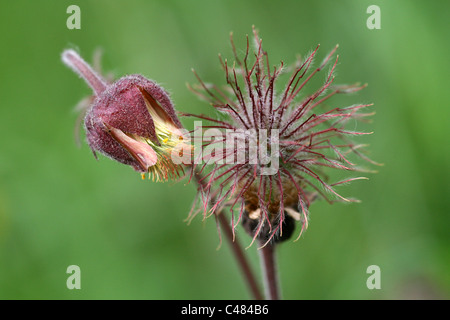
(296, 128)
(132, 121)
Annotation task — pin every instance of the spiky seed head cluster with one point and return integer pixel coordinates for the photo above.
(310, 136)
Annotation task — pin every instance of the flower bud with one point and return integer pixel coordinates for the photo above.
(132, 121)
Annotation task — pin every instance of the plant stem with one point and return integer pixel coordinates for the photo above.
(236, 248)
(73, 60)
(269, 269)
(240, 257)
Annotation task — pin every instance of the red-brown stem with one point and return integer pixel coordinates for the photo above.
(269, 269)
(240, 257)
(236, 248)
(73, 60)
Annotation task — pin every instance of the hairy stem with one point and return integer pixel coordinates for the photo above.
(240, 257)
(269, 269)
(237, 250)
(73, 60)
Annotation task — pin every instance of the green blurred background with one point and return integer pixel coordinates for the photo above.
(58, 206)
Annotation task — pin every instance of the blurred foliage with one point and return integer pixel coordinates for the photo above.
(58, 206)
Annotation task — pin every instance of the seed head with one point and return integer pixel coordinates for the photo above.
(301, 131)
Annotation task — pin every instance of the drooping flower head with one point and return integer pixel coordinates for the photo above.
(300, 131)
(132, 121)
